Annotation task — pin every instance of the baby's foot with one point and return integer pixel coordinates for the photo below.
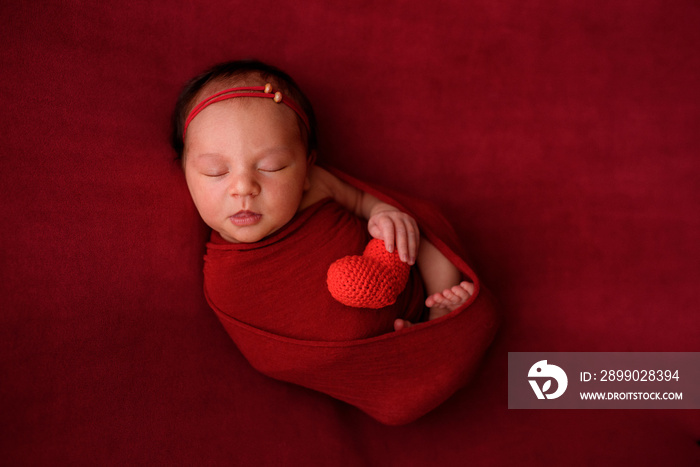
(449, 299)
(442, 303)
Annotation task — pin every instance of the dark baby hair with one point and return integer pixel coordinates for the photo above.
(231, 71)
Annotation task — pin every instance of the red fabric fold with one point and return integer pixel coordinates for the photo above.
(272, 299)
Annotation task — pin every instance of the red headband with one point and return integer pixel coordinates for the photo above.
(254, 91)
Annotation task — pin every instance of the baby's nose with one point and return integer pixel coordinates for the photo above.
(244, 186)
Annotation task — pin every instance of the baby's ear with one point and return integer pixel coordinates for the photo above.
(311, 158)
(309, 169)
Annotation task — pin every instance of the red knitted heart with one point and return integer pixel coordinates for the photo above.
(373, 280)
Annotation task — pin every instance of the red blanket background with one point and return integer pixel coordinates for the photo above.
(561, 139)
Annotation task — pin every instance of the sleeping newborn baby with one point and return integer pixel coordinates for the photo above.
(246, 137)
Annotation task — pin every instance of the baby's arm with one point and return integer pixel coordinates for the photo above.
(385, 222)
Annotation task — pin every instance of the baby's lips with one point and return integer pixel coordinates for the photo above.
(243, 218)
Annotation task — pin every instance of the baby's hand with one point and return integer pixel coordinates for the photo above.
(397, 229)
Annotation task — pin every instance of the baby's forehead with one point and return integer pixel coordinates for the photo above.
(278, 118)
(246, 103)
(222, 83)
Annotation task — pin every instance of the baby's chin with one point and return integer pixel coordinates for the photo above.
(256, 232)
(240, 238)
(245, 235)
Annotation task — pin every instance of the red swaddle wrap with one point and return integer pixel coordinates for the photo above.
(272, 298)
(279, 283)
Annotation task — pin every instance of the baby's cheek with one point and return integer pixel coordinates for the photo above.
(207, 203)
(293, 196)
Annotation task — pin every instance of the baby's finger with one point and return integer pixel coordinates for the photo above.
(407, 237)
(402, 242)
(388, 234)
(413, 240)
(382, 228)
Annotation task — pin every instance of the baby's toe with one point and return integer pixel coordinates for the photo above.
(451, 297)
(435, 300)
(461, 292)
(400, 324)
(468, 286)
(441, 299)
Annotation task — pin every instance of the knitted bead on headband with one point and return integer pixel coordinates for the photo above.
(249, 91)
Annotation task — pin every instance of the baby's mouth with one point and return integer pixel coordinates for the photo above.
(243, 218)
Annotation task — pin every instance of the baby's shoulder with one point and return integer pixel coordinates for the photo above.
(318, 188)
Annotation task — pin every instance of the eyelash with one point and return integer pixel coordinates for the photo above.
(225, 173)
(271, 171)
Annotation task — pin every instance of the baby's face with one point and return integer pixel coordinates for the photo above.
(246, 167)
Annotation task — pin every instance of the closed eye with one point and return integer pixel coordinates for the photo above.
(273, 170)
(214, 174)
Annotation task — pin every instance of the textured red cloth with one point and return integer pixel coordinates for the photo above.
(373, 280)
(559, 138)
(272, 299)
